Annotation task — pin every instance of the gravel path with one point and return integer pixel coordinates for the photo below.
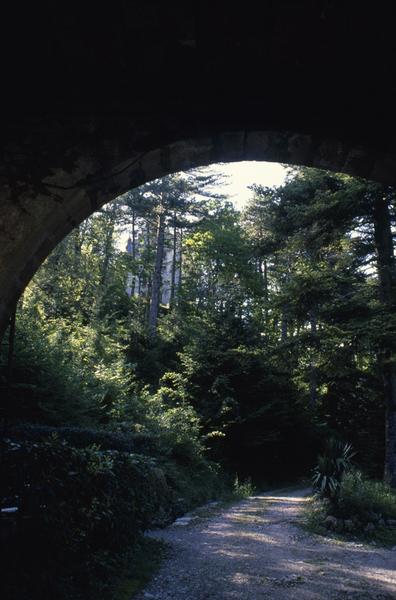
(256, 550)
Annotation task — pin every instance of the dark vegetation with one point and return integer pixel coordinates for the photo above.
(82, 512)
(347, 502)
(221, 342)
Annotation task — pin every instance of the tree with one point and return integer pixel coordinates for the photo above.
(272, 327)
(379, 200)
(171, 205)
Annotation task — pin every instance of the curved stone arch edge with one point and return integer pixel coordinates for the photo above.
(91, 191)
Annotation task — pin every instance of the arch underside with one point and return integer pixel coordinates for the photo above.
(102, 100)
(44, 199)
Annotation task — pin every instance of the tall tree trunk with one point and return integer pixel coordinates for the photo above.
(284, 323)
(266, 293)
(147, 281)
(179, 284)
(263, 270)
(174, 260)
(285, 307)
(157, 276)
(313, 373)
(108, 246)
(133, 252)
(387, 289)
(107, 254)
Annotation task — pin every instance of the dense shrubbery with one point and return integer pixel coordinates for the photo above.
(79, 437)
(80, 510)
(346, 500)
(362, 508)
(365, 500)
(68, 372)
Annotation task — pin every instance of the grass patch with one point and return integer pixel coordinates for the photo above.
(314, 513)
(355, 511)
(145, 562)
(385, 538)
(366, 499)
(242, 489)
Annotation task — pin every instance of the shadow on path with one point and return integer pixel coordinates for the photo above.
(255, 550)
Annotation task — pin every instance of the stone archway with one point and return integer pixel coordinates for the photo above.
(38, 210)
(100, 99)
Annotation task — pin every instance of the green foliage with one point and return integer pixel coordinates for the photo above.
(365, 499)
(332, 464)
(271, 341)
(124, 440)
(240, 393)
(177, 425)
(69, 373)
(243, 489)
(362, 509)
(314, 513)
(140, 566)
(107, 498)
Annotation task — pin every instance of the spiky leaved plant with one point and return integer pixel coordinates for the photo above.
(335, 460)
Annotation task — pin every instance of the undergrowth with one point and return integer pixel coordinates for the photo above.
(143, 565)
(242, 489)
(363, 510)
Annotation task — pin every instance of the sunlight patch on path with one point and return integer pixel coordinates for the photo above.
(255, 550)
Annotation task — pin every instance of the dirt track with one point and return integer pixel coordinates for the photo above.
(256, 550)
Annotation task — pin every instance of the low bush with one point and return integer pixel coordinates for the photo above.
(347, 501)
(83, 499)
(148, 444)
(362, 508)
(193, 484)
(80, 510)
(192, 478)
(364, 499)
(242, 489)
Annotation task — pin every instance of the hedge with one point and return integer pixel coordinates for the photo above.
(79, 510)
(79, 437)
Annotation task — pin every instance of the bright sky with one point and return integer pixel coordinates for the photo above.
(238, 176)
(242, 174)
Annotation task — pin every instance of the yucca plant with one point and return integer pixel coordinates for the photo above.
(335, 460)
